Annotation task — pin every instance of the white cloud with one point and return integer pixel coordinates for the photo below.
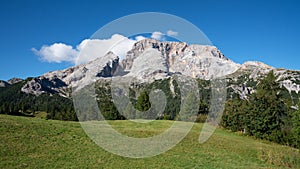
(87, 50)
(157, 36)
(91, 49)
(139, 38)
(122, 47)
(172, 33)
(58, 52)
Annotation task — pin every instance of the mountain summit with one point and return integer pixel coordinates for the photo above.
(198, 61)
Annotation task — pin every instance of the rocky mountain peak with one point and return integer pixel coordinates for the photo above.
(14, 80)
(201, 61)
(10, 82)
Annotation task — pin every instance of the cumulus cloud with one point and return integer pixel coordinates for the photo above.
(172, 33)
(87, 50)
(58, 52)
(157, 36)
(91, 49)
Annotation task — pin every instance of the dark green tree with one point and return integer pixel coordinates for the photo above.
(234, 117)
(295, 137)
(143, 102)
(267, 110)
(189, 109)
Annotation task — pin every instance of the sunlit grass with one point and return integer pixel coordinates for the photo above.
(39, 143)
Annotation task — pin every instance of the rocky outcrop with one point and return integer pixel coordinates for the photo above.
(289, 79)
(42, 84)
(3, 83)
(14, 80)
(199, 61)
(10, 82)
(244, 81)
(62, 80)
(148, 66)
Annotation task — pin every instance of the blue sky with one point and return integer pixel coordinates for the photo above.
(267, 31)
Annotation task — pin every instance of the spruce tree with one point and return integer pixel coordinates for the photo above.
(267, 110)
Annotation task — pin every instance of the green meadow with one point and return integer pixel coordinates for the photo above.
(38, 143)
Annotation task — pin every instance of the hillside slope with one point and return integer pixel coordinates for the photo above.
(37, 143)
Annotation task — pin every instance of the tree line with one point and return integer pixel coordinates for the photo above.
(15, 102)
(266, 114)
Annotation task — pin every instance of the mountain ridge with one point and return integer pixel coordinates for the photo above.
(197, 61)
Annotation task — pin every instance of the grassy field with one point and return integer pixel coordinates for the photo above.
(38, 143)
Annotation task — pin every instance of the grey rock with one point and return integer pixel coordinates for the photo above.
(3, 83)
(62, 81)
(14, 80)
(199, 61)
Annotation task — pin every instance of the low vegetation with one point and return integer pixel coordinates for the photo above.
(38, 143)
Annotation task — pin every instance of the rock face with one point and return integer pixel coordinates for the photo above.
(148, 66)
(14, 80)
(243, 81)
(3, 83)
(197, 61)
(42, 84)
(290, 80)
(62, 80)
(10, 82)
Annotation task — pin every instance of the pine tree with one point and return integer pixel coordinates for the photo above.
(234, 115)
(296, 128)
(267, 110)
(143, 103)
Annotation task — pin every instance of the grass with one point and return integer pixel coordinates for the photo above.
(39, 143)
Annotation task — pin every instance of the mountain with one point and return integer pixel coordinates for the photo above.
(14, 80)
(10, 82)
(150, 60)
